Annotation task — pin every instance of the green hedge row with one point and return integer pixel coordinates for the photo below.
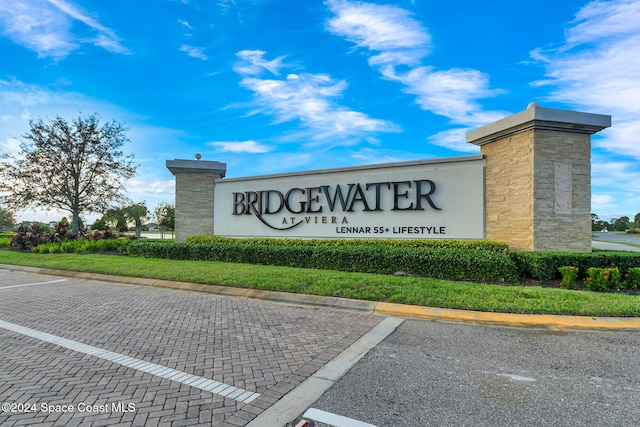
(545, 265)
(456, 264)
(484, 245)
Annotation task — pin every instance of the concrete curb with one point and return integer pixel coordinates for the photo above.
(383, 308)
(510, 319)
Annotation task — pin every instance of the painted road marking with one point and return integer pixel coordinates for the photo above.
(333, 419)
(518, 378)
(201, 383)
(33, 284)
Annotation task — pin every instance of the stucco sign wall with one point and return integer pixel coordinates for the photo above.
(428, 199)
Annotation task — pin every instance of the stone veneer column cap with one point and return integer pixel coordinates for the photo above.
(536, 117)
(197, 166)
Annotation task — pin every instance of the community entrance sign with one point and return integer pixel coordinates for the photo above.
(410, 200)
(529, 187)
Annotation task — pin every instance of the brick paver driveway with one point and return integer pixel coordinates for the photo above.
(81, 352)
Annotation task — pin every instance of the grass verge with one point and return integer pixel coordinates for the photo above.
(372, 287)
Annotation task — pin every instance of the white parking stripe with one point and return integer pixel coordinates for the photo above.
(33, 284)
(333, 419)
(243, 396)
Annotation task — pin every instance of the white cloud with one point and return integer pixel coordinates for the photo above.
(597, 69)
(451, 93)
(185, 23)
(240, 146)
(46, 27)
(397, 41)
(601, 19)
(9, 146)
(454, 139)
(308, 98)
(194, 52)
(390, 30)
(614, 189)
(252, 62)
(151, 191)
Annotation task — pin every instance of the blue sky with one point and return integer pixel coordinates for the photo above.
(271, 86)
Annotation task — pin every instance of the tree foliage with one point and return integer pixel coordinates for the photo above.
(136, 214)
(115, 219)
(598, 224)
(99, 225)
(121, 218)
(77, 167)
(620, 224)
(165, 214)
(7, 219)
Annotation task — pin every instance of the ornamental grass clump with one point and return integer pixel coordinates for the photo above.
(569, 275)
(603, 279)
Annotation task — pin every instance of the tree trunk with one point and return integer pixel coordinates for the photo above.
(75, 222)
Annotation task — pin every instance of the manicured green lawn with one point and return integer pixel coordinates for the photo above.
(404, 290)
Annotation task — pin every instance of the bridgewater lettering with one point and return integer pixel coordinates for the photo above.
(406, 195)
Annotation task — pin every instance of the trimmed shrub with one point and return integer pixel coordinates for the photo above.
(545, 265)
(458, 264)
(602, 279)
(632, 279)
(485, 245)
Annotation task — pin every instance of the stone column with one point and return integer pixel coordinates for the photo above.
(195, 184)
(538, 178)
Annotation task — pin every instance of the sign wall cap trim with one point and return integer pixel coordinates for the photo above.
(197, 166)
(536, 117)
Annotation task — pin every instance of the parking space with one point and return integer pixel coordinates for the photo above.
(80, 352)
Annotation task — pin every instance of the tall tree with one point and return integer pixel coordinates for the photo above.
(165, 214)
(136, 214)
(7, 219)
(620, 224)
(115, 219)
(78, 167)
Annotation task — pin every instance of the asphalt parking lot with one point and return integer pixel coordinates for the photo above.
(430, 373)
(83, 352)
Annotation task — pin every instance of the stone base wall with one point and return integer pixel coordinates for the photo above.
(194, 205)
(538, 178)
(509, 199)
(521, 186)
(562, 225)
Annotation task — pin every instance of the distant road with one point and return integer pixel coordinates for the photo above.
(616, 237)
(157, 235)
(615, 241)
